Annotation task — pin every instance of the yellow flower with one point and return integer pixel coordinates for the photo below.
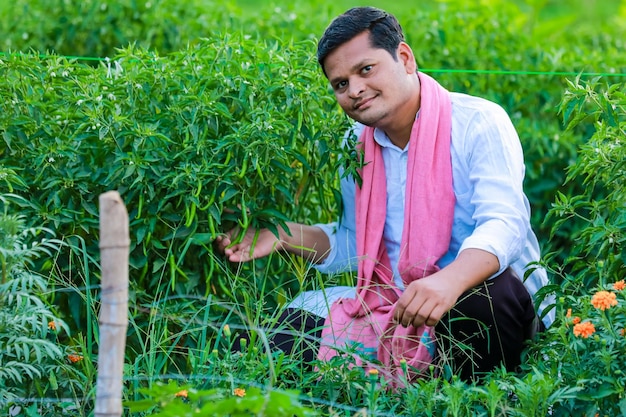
(603, 300)
(373, 372)
(52, 325)
(584, 329)
(239, 392)
(183, 393)
(619, 285)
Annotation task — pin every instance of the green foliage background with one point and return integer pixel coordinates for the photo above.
(203, 106)
(208, 114)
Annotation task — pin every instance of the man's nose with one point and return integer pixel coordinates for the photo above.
(355, 88)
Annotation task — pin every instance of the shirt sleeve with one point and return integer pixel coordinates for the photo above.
(342, 235)
(495, 174)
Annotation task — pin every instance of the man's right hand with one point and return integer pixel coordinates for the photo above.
(256, 243)
(309, 242)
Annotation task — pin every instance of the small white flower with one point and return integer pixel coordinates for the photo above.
(80, 102)
(99, 98)
(25, 35)
(138, 86)
(65, 74)
(118, 69)
(53, 74)
(50, 160)
(111, 96)
(104, 87)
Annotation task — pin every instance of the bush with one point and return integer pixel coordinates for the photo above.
(596, 218)
(27, 355)
(584, 346)
(94, 29)
(195, 142)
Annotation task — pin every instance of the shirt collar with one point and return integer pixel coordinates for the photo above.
(383, 140)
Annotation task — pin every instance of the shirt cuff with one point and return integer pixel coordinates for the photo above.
(326, 265)
(506, 250)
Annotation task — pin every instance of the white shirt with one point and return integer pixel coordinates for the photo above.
(491, 211)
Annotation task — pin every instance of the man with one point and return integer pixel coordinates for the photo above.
(439, 229)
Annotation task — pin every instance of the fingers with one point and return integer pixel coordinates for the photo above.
(407, 308)
(223, 241)
(436, 315)
(418, 312)
(246, 246)
(415, 308)
(238, 252)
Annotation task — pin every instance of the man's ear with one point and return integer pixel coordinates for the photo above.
(405, 55)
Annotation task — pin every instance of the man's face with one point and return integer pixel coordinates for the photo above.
(370, 86)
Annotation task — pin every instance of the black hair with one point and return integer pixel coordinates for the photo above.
(384, 29)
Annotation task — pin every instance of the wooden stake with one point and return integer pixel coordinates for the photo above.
(113, 319)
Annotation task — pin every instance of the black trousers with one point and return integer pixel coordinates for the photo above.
(488, 327)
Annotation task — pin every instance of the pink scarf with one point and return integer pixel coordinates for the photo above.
(363, 326)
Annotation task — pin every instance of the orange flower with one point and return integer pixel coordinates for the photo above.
(373, 372)
(603, 300)
(52, 325)
(619, 285)
(576, 320)
(74, 357)
(239, 392)
(584, 329)
(183, 393)
(569, 313)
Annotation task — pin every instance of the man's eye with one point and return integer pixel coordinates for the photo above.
(341, 84)
(366, 69)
